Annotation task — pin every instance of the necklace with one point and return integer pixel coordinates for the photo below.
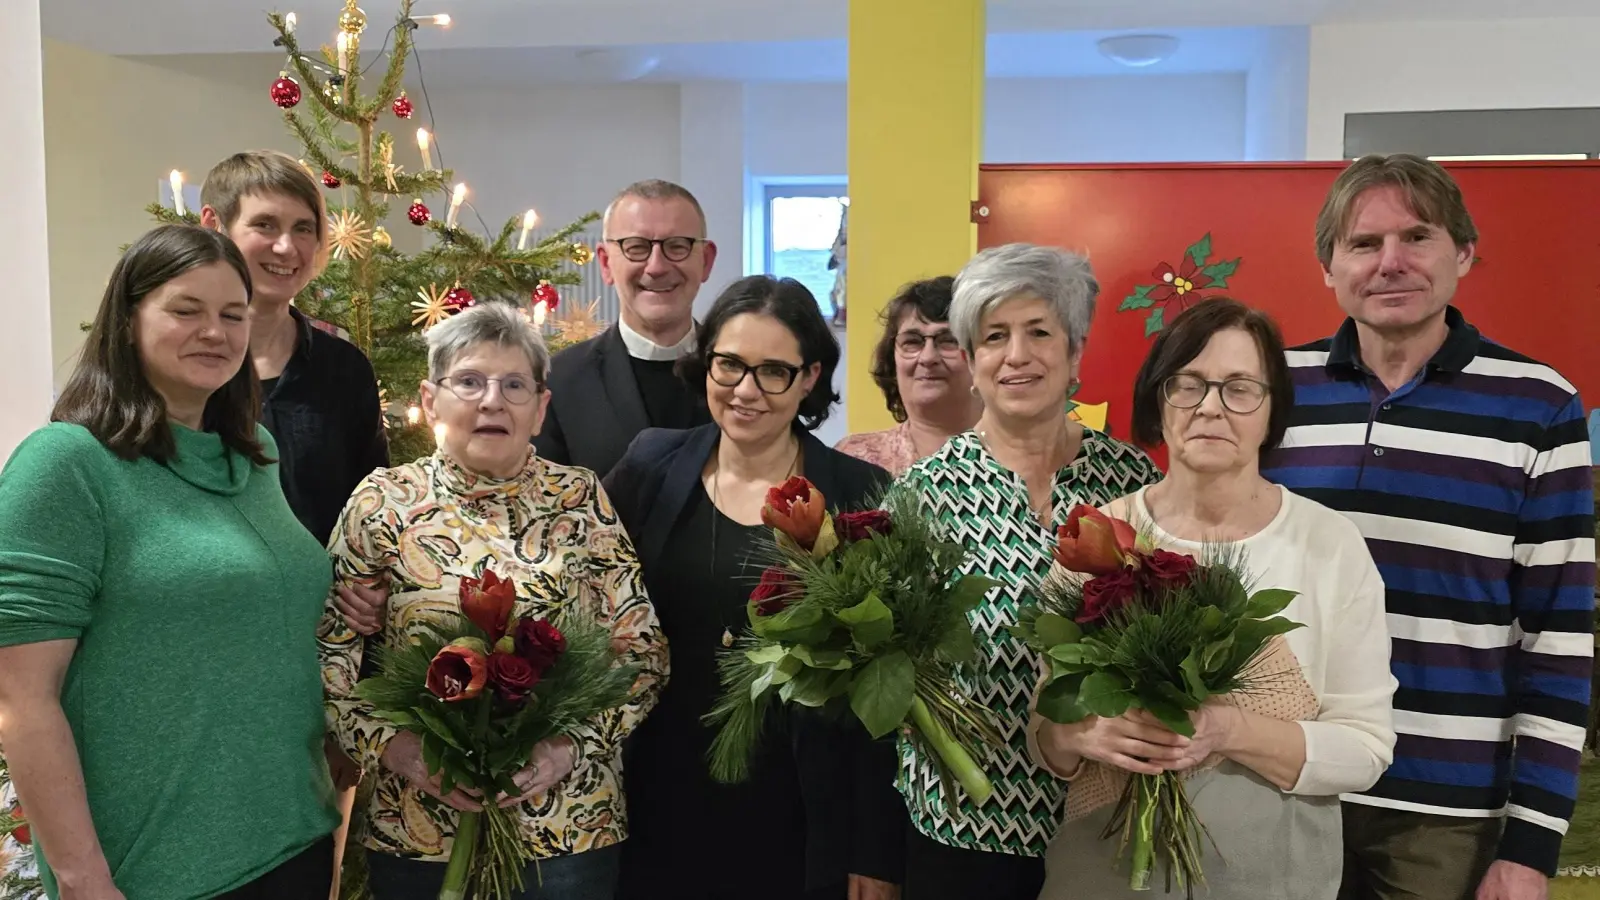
(716, 496)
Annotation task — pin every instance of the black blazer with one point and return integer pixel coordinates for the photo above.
(856, 821)
(596, 408)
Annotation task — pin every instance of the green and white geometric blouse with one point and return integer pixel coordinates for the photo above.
(984, 507)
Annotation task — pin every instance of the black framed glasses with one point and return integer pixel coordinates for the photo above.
(771, 377)
(909, 344)
(1239, 395)
(516, 389)
(638, 249)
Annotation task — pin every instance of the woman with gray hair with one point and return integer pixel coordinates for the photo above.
(1021, 314)
(484, 501)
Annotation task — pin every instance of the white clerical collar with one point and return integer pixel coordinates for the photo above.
(641, 347)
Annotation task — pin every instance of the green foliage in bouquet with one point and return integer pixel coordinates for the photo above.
(1125, 626)
(865, 610)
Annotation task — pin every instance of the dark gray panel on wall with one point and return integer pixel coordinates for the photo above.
(1474, 132)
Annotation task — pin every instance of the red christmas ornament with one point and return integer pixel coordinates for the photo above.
(547, 294)
(402, 106)
(459, 298)
(418, 213)
(330, 180)
(286, 91)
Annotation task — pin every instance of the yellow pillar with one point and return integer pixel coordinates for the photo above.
(915, 139)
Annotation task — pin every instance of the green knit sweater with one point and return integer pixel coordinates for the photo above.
(194, 696)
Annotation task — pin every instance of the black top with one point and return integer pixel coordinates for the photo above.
(674, 806)
(323, 412)
(667, 401)
(597, 404)
(841, 795)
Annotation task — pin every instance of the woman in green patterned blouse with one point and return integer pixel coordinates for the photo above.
(1021, 314)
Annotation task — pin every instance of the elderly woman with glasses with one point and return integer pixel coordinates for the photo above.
(1266, 769)
(924, 379)
(818, 818)
(485, 501)
(1021, 315)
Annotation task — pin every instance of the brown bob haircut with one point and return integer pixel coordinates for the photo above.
(1185, 338)
(929, 299)
(108, 393)
(1430, 193)
(259, 173)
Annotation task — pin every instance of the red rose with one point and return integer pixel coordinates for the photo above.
(858, 526)
(21, 834)
(488, 602)
(458, 672)
(776, 591)
(1106, 594)
(1163, 569)
(540, 643)
(1092, 542)
(512, 676)
(796, 508)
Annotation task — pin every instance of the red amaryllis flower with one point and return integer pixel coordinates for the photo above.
(1106, 594)
(458, 671)
(512, 676)
(488, 602)
(797, 509)
(1092, 542)
(540, 643)
(858, 526)
(1180, 282)
(774, 593)
(22, 834)
(1164, 569)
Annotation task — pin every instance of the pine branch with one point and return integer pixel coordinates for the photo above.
(166, 216)
(313, 84)
(389, 87)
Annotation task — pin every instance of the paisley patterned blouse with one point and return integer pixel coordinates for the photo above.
(553, 532)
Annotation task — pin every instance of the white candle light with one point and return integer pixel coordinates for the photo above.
(529, 219)
(423, 140)
(177, 191)
(539, 314)
(455, 205)
(344, 52)
(413, 414)
(288, 23)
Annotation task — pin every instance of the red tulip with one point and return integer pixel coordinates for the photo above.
(1093, 543)
(458, 671)
(797, 509)
(488, 603)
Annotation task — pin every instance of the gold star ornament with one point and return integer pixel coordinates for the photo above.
(348, 235)
(431, 308)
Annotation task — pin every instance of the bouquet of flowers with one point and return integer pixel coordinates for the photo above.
(1127, 626)
(867, 606)
(481, 690)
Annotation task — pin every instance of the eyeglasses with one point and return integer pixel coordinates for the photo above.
(517, 390)
(1239, 395)
(909, 344)
(771, 377)
(638, 249)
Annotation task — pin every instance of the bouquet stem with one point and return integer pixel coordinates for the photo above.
(954, 756)
(1142, 846)
(462, 850)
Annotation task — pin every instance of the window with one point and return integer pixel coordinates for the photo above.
(802, 223)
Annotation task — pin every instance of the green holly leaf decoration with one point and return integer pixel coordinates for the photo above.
(1139, 299)
(1218, 272)
(1200, 250)
(1156, 321)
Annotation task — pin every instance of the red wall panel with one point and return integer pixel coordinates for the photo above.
(1535, 288)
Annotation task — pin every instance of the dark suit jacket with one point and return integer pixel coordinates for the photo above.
(856, 821)
(596, 408)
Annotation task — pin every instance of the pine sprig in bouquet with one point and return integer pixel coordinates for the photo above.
(1123, 626)
(481, 689)
(867, 610)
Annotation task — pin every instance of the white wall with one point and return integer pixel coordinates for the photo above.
(1276, 90)
(24, 253)
(1409, 67)
(712, 166)
(795, 130)
(1142, 118)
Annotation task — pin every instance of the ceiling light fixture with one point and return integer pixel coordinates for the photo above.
(1138, 50)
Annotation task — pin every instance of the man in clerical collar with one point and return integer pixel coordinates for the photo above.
(606, 390)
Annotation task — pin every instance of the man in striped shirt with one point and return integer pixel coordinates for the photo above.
(1466, 466)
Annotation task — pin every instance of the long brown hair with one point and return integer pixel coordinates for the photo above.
(109, 393)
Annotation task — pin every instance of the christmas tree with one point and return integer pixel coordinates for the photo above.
(377, 297)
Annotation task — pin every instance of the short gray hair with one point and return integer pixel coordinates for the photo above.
(489, 322)
(653, 189)
(1059, 277)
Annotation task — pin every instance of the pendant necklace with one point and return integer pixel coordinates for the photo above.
(716, 481)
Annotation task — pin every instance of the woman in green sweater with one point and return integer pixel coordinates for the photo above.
(160, 699)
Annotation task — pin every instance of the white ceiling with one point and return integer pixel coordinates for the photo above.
(517, 41)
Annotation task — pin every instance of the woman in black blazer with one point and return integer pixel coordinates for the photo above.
(819, 818)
